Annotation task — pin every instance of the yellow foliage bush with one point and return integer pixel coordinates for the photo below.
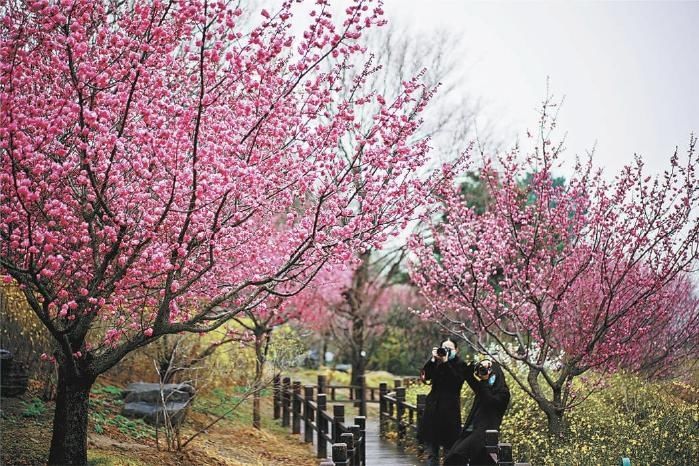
(631, 417)
(20, 326)
(21, 331)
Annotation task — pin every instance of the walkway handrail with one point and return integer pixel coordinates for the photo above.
(347, 440)
(348, 443)
(360, 395)
(394, 410)
(294, 407)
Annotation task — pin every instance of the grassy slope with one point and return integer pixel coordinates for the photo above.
(114, 440)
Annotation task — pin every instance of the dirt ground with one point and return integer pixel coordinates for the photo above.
(25, 433)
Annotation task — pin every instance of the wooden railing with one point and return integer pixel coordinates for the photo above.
(307, 405)
(397, 414)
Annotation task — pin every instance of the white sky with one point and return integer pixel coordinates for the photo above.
(628, 70)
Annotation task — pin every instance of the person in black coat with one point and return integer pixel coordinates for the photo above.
(492, 396)
(441, 421)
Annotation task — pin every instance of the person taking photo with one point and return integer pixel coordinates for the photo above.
(441, 421)
(492, 397)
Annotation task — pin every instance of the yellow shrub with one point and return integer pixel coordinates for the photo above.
(631, 417)
(23, 334)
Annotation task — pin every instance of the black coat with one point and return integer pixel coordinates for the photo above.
(441, 421)
(489, 406)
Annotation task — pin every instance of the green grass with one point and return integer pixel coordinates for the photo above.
(33, 408)
(310, 376)
(108, 459)
(107, 390)
(105, 409)
(220, 401)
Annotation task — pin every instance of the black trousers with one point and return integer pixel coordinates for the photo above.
(469, 451)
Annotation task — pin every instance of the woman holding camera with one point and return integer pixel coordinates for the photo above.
(492, 396)
(441, 421)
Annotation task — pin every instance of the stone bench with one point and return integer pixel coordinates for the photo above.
(145, 401)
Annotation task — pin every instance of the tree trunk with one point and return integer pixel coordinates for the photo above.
(256, 417)
(558, 425)
(358, 370)
(260, 359)
(323, 351)
(355, 297)
(69, 441)
(358, 359)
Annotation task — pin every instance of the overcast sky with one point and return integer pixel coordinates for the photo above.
(628, 70)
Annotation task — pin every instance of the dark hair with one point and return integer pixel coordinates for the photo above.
(500, 383)
(456, 345)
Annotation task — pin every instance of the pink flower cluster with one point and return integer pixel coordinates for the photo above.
(162, 169)
(588, 273)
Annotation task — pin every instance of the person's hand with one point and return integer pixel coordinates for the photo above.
(434, 354)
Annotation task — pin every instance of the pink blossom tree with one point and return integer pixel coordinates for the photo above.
(353, 303)
(667, 344)
(257, 326)
(163, 171)
(556, 279)
(372, 290)
(372, 287)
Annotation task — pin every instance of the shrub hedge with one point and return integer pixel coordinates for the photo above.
(652, 423)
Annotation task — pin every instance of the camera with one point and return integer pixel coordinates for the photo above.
(442, 352)
(482, 370)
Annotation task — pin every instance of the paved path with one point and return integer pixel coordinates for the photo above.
(381, 452)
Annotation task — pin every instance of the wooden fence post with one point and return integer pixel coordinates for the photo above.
(296, 408)
(355, 430)
(421, 401)
(383, 390)
(286, 401)
(348, 439)
(491, 441)
(338, 418)
(277, 392)
(322, 425)
(420, 405)
(400, 410)
(362, 396)
(360, 421)
(340, 454)
(307, 414)
(505, 454)
(322, 384)
(391, 411)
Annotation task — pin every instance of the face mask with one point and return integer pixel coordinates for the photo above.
(452, 355)
(491, 380)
